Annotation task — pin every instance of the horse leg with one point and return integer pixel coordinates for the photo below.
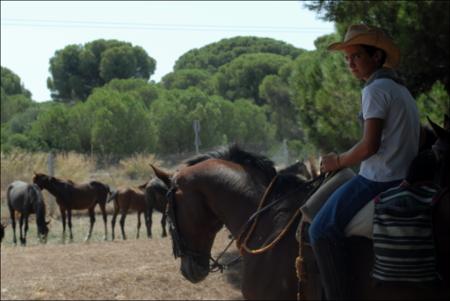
(122, 223)
(69, 222)
(138, 224)
(26, 215)
(92, 220)
(105, 219)
(13, 223)
(149, 223)
(21, 230)
(63, 220)
(146, 222)
(113, 221)
(163, 225)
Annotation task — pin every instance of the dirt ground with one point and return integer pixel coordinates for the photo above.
(132, 269)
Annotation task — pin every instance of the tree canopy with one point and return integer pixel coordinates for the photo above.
(77, 69)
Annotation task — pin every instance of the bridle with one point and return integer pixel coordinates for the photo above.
(179, 247)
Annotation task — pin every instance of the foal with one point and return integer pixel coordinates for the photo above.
(126, 198)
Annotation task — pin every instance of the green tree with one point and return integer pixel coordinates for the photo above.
(420, 28)
(214, 55)
(434, 104)
(54, 129)
(13, 95)
(120, 124)
(327, 98)
(185, 78)
(241, 77)
(77, 69)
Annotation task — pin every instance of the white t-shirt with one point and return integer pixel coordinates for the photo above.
(392, 102)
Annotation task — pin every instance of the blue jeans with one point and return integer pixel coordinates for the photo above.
(342, 206)
(327, 235)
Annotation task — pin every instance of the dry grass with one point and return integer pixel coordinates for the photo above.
(131, 269)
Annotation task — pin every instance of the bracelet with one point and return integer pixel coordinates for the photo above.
(338, 162)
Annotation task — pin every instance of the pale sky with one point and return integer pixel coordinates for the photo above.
(31, 31)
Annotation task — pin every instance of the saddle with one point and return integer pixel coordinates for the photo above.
(386, 218)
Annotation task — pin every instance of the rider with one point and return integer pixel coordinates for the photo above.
(389, 143)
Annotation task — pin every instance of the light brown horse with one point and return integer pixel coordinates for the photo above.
(125, 199)
(73, 196)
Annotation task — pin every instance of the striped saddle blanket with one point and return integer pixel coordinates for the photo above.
(403, 242)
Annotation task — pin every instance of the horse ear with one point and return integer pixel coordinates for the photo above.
(440, 132)
(162, 175)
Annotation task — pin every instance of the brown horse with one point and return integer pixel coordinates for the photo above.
(125, 199)
(225, 188)
(72, 196)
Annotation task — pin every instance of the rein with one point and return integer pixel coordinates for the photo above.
(254, 217)
(179, 247)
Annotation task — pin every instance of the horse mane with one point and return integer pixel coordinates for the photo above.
(237, 155)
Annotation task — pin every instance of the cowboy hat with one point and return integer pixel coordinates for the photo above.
(363, 34)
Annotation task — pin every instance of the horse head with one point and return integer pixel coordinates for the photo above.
(191, 225)
(40, 179)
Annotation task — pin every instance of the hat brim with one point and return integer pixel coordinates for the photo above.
(392, 51)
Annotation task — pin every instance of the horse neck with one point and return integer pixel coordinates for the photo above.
(234, 211)
(54, 186)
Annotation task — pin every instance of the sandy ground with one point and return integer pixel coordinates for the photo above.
(131, 269)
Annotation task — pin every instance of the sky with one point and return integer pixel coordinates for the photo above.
(32, 31)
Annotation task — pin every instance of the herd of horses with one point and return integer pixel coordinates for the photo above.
(26, 198)
(259, 205)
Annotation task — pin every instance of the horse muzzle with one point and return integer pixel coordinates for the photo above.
(194, 269)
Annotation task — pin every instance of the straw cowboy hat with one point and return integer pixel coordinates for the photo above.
(363, 34)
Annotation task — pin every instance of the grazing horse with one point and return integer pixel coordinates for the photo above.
(128, 198)
(155, 198)
(72, 196)
(225, 188)
(26, 199)
(206, 194)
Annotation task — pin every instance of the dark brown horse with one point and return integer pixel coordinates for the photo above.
(72, 196)
(26, 199)
(155, 197)
(125, 199)
(225, 188)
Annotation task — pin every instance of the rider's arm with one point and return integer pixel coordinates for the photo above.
(366, 147)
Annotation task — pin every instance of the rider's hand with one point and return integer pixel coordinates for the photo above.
(330, 162)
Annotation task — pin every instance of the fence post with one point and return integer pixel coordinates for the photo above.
(51, 172)
(197, 141)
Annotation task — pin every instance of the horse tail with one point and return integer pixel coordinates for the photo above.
(103, 190)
